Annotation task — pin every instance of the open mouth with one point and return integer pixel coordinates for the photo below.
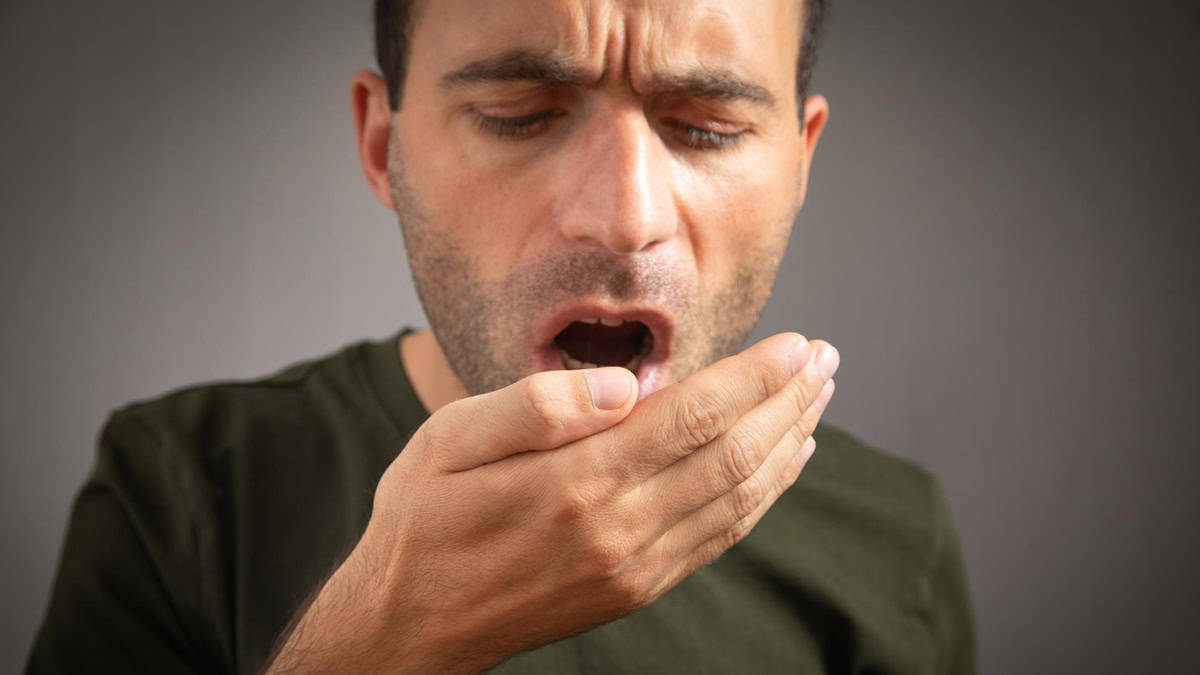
(594, 342)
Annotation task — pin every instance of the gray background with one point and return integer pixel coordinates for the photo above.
(1001, 237)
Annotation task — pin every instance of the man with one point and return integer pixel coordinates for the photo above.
(595, 197)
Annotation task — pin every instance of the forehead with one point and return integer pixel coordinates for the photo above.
(625, 38)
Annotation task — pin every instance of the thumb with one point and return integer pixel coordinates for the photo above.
(543, 411)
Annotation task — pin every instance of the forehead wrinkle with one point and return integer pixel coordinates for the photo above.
(701, 50)
(612, 43)
(664, 49)
(564, 43)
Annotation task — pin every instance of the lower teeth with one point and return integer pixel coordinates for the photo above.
(571, 363)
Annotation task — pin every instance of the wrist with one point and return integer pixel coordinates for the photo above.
(356, 623)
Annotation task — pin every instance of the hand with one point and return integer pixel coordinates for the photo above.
(528, 514)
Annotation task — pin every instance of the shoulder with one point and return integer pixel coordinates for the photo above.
(326, 383)
(195, 443)
(196, 495)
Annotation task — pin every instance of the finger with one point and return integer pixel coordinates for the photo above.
(737, 455)
(543, 411)
(810, 418)
(736, 507)
(673, 422)
(692, 555)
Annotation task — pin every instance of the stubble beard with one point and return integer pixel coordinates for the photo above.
(483, 327)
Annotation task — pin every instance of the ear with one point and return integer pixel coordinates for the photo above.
(816, 114)
(372, 128)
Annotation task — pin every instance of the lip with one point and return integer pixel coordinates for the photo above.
(651, 374)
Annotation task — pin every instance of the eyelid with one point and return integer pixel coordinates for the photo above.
(701, 137)
(513, 108)
(713, 125)
(711, 135)
(515, 127)
(513, 99)
(718, 111)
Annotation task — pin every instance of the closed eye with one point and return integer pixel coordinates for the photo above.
(514, 128)
(698, 138)
(528, 126)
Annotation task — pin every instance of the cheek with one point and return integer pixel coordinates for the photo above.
(488, 212)
(737, 214)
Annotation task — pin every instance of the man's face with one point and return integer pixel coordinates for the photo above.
(556, 163)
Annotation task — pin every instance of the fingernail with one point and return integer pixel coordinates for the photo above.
(825, 395)
(800, 352)
(610, 387)
(806, 451)
(828, 360)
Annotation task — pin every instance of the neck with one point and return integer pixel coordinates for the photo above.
(428, 370)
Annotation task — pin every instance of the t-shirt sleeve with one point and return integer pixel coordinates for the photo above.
(121, 598)
(951, 617)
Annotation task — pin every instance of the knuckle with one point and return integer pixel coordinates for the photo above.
(770, 374)
(782, 482)
(790, 475)
(740, 530)
(739, 457)
(803, 429)
(797, 390)
(629, 590)
(606, 554)
(798, 434)
(632, 588)
(608, 563)
(700, 419)
(435, 439)
(747, 497)
(545, 404)
(725, 541)
(709, 552)
(573, 504)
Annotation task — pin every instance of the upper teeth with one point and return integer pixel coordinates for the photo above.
(602, 320)
(647, 342)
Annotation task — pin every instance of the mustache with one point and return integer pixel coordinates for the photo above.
(573, 274)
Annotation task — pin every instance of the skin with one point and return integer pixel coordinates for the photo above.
(588, 493)
(603, 206)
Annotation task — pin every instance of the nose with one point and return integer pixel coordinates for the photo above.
(617, 190)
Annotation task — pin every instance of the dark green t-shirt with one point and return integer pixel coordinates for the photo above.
(213, 512)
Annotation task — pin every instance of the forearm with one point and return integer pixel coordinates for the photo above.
(353, 624)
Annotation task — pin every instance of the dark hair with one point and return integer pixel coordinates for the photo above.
(394, 21)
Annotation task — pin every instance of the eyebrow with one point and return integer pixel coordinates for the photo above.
(520, 65)
(549, 69)
(717, 85)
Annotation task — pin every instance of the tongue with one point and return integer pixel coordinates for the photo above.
(600, 344)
